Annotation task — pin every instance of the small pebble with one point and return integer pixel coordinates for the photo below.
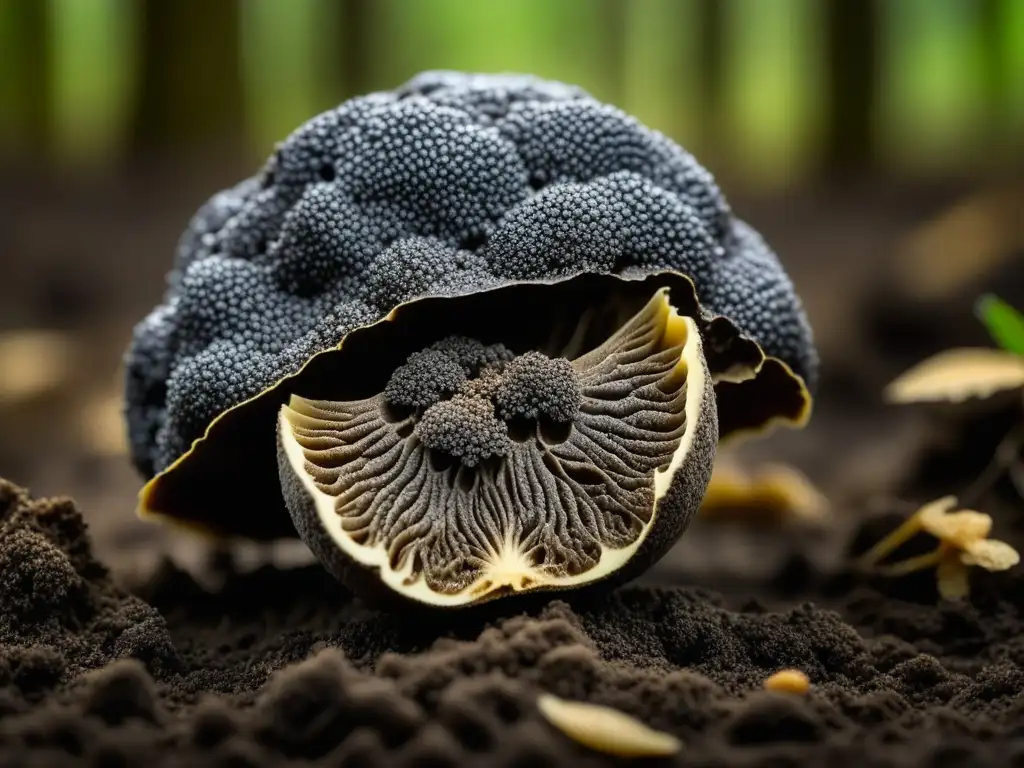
(788, 681)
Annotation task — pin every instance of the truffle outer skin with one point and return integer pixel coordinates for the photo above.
(362, 581)
(676, 509)
(451, 182)
(679, 505)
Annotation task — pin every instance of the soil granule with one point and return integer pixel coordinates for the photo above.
(283, 667)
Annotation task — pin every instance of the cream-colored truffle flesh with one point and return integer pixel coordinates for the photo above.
(504, 549)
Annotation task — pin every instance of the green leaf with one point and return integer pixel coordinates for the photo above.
(1004, 323)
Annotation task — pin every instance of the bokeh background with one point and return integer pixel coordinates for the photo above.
(879, 146)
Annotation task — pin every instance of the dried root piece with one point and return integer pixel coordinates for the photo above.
(607, 730)
(773, 494)
(963, 542)
(788, 681)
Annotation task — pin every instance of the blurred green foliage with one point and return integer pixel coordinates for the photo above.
(1005, 324)
(768, 90)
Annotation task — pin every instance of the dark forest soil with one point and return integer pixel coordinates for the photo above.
(284, 668)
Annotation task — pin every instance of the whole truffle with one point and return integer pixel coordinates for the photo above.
(501, 327)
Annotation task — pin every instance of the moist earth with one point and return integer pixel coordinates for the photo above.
(283, 667)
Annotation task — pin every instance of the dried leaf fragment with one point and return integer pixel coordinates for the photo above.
(788, 681)
(990, 554)
(772, 494)
(957, 375)
(955, 529)
(33, 363)
(607, 730)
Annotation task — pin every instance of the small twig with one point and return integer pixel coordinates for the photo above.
(910, 565)
(1016, 472)
(907, 530)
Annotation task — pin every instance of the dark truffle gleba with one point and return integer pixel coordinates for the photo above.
(492, 367)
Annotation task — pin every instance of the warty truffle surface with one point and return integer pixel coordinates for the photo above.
(450, 183)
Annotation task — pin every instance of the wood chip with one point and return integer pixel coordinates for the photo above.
(607, 730)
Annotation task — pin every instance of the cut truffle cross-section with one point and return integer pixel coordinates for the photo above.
(480, 471)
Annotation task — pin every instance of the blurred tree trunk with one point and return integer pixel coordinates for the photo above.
(851, 28)
(26, 85)
(190, 89)
(711, 23)
(997, 79)
(352, 23)
(613, 21)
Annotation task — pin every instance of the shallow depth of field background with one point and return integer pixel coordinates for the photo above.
(879, 146)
